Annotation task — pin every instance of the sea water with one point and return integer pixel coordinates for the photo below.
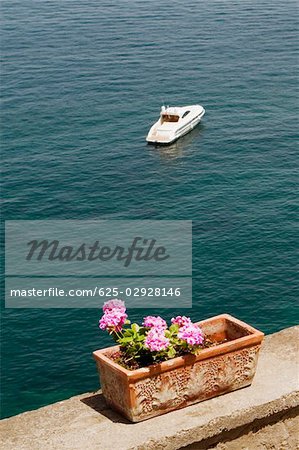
(82, 82)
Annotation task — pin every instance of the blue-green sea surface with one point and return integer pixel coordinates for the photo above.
(82, 81)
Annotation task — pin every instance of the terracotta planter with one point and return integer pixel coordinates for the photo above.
(151, 391)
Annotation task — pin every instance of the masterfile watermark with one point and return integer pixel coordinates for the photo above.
(68, 292)
(140, 250)
(112, 247)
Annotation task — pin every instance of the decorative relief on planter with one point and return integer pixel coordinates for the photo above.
(166, 391)
(203, 380)
(114, 388)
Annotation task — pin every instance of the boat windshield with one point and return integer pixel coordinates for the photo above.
(169, 118)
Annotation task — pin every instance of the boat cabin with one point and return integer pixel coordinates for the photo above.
(169, 118)
(172, 114)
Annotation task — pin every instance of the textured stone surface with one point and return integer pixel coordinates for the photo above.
(282, 434)
(85, 422)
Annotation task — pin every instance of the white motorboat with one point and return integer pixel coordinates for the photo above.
(174, 122)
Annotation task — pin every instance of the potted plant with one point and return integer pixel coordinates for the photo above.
(156, 368)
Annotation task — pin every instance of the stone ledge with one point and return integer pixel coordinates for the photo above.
(85, 422)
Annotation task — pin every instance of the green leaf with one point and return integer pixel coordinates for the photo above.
(171, 352)
(128, 332)
(140, 338)
(174, 328)
(135, 327)
(125, 340)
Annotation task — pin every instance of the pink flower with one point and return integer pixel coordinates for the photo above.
(113, 320)
(192, 334)
(113, 304)
(156, 340)
(181, 321)
(154, 322)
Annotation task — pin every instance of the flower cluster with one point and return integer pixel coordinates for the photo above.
(114, 316)
(191, 333)
(181, 321)
(188, 331)
(113, 304)
(154, 322)
(154, 340)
